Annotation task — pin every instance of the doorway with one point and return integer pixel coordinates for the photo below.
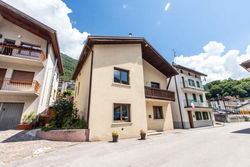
(190, 116)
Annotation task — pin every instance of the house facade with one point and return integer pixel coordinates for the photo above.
(190, 109)
(121, 85)
(30, 65)
(227, 103)
(66, 85)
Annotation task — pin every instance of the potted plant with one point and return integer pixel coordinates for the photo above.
(115, 136)
(143, 134)
(28, 121)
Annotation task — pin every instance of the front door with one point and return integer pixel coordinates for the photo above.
(190, 116)
(2, 75)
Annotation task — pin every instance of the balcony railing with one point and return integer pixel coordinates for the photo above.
(197, 103)
(161, 94)
(22, 52)
(19, 85)
(186, 85)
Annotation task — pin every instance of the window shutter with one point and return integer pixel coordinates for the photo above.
(22, 77)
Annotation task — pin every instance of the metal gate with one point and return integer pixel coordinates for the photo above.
(10, 115)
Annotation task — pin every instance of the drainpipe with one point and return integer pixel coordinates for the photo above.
(178, 102)
(51, 83)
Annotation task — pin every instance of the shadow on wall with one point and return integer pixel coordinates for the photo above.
(20, 137)
(243, 131)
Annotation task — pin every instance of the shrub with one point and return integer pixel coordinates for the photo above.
(29, 118)
(66, 115)
(67, 92)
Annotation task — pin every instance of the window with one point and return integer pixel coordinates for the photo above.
(155, 85)
(194, 98)
(122, 112)
(198, 115)
(205, 115)
(201, 98)
(121, 76)
(198, 84)
(181, 71)
(158, 113)
(23, 77)
(29, 52)
(191, 82)
(189, 74)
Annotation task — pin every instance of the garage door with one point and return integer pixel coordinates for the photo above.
(10, 115)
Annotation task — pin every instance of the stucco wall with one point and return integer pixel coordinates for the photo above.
(82, 98)
(159, 124)
(151, 74)
(105, 93)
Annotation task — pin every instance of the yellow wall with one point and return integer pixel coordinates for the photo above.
(81, 99)
(151, 74)
(105, 93)
(159, 124)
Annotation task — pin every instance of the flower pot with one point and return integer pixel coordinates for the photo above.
(115, 138)
(24, 126)
(143, 136)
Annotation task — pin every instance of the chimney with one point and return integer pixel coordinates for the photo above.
(130, 34)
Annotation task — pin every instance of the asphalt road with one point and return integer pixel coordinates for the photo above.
(219, 146)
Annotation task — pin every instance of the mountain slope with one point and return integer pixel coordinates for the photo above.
(69, 65)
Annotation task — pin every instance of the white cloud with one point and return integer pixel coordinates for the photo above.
(167, 6)
(54, 13)
(215, 63)
(124, 6)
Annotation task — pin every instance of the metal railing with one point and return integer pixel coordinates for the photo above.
(197, 103)
(20, 51)
(156, 93)
(186, 85)
(19, 85)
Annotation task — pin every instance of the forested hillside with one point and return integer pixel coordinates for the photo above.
(69, 65)
(229, 87)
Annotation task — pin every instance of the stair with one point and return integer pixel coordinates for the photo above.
(153, 132)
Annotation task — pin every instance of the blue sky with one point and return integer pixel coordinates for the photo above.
(186, 26)
(210, 36)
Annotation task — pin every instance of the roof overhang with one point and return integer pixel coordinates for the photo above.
(188, 69)
(246, 65)
(148, 52)
(30, 24)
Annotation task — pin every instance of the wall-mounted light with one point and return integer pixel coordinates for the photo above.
(19, 36)
(1, 35)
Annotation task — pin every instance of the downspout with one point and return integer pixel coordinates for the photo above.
(51, 82)
(90, 85)
(178, 102)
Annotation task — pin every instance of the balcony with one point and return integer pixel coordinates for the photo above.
(160, 94)
(15, 87)
(187, 87)
(21, 55)
(197, 103)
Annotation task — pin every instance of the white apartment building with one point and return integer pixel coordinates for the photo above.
(30, 65)
(190, 108)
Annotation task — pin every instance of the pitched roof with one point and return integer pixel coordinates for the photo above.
(30, 24)
(148, 52)
(188, 69)
(245, 64)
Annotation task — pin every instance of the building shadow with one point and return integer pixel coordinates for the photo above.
(243, 131)
(20, 137)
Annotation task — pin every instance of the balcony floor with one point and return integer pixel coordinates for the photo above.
(18, 93)
(20, 60)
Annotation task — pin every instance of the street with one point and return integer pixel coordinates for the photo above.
(215, 146)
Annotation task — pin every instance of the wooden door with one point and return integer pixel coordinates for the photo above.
(190, 116)
(2, 75)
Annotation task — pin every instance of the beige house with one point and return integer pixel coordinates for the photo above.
(190, 109)
(121, 85)
(30, 65)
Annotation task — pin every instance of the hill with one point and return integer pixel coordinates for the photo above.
(229, 87)
(69, 65)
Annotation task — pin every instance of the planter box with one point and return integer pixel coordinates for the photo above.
(71, 135)
(24, 126)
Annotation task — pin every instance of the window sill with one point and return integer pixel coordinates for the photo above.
(121, 85)
(121, 123)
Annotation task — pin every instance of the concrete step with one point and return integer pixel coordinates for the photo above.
(153, 132)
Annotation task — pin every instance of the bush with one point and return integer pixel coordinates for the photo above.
(29, 118)
(66, 115)
(67, 92)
